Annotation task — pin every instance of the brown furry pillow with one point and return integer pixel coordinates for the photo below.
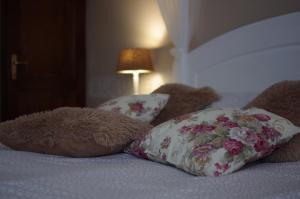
(75, 132)
(183, 99)
(283, 99)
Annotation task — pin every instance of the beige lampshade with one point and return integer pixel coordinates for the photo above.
(135, 59)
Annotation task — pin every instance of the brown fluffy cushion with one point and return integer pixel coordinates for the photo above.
(76, 132)
(282, 98)
(183, 99)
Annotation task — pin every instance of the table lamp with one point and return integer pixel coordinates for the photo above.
(135, 61)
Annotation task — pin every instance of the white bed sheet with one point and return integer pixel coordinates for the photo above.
(35, 176)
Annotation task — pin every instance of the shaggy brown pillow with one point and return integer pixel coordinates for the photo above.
(283, 99)
(75, 132)
(184, 99)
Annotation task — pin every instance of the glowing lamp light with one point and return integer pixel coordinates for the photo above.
(135, 61)
(155, 35)
(151, 83)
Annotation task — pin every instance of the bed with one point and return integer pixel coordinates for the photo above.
(242, 63)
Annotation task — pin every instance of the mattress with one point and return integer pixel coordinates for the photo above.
(35, 176)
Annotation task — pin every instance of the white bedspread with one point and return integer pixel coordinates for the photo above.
(29, 175)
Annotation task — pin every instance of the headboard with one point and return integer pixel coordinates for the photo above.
(250, 58)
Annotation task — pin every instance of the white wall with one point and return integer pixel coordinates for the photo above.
(116, 24)
(218, 16)
(113, 25)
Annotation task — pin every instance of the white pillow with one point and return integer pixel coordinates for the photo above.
(141, 107)
(214, 142)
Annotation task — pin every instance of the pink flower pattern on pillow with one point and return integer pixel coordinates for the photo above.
(233, 146)
(141, 107)
(137, 107)
(216, 146)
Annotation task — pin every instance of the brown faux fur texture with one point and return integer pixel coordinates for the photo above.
(75, 132)
(283, 99)
(183, 99)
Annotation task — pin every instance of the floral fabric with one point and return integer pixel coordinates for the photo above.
(141, 107)
(214, 142)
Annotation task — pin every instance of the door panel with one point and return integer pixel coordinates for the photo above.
(49, 36)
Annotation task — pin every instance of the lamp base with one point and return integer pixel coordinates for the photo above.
(136, 79)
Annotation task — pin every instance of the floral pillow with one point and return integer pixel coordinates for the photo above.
(214, 142)
(141, 107)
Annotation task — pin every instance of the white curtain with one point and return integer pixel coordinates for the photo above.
(176, 14)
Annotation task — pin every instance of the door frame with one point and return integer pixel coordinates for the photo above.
(3, 60)
(79, 55)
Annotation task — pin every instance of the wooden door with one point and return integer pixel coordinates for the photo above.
(43, 64)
